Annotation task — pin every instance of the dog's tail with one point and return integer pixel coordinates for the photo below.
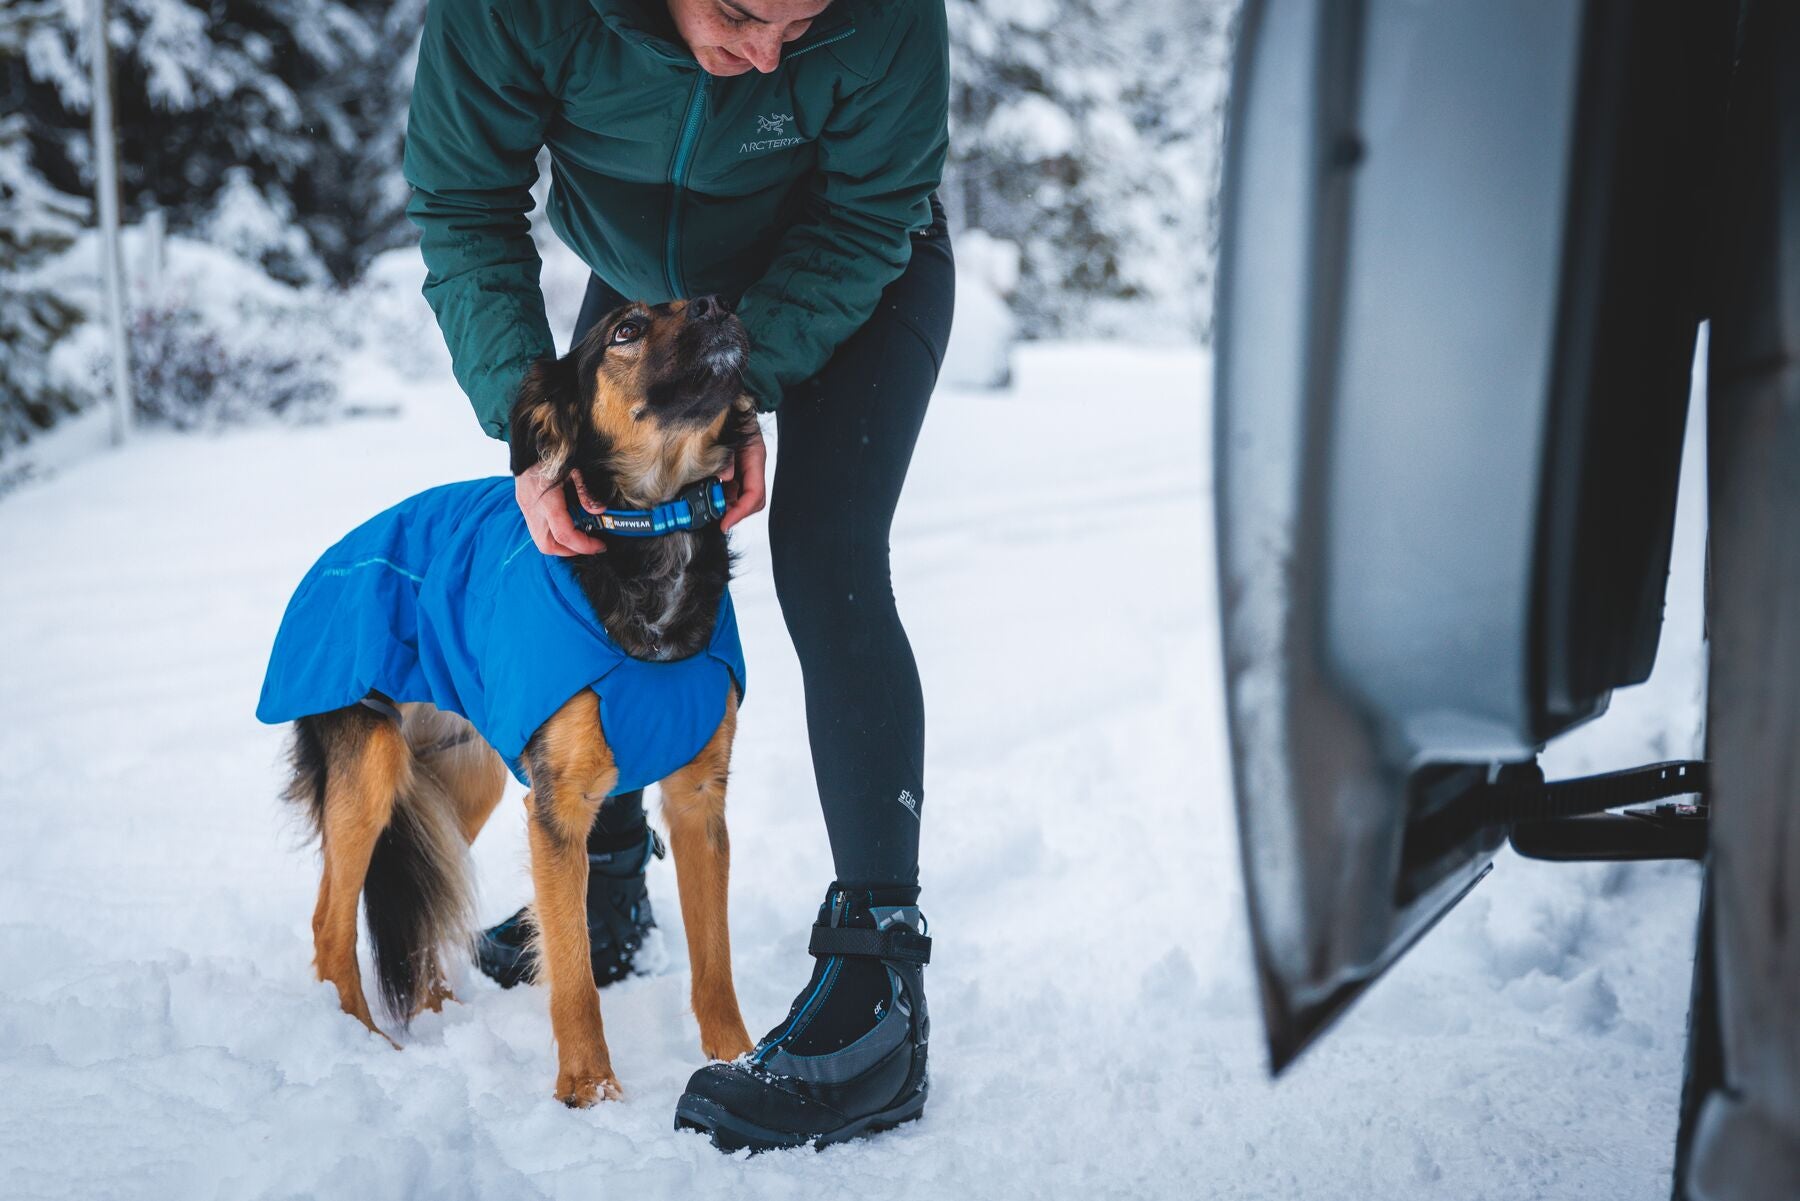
(418, 894)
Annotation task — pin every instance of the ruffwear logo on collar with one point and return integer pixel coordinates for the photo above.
(775, 124)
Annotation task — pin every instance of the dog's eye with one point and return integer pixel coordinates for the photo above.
(628, 331)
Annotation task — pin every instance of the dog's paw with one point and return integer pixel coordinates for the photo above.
(726, 1048)
(578, 1090)
(722, 1033)
(377, 1031)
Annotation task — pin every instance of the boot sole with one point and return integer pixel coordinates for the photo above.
(729, 1132)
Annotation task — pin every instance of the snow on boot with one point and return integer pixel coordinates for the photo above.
(849, 1058)
(618, 918)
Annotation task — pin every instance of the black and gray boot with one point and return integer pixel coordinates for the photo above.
(849, 1058)
(618, 919)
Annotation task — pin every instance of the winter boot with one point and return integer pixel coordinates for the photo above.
(618, 918)
(849, 1058)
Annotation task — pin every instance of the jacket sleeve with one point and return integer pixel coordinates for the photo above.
(473, 130)
(880, 157)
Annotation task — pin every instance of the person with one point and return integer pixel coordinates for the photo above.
(784, 155)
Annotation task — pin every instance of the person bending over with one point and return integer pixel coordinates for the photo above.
(782, 155)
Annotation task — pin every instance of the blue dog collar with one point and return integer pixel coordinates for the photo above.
(698, 506)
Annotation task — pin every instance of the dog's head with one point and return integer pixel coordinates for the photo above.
(650, 399)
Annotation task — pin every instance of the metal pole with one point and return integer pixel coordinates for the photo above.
(107, 186)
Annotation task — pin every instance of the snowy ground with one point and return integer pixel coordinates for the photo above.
(1094, 1027)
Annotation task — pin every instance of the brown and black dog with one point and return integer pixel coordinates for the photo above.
(647, 402)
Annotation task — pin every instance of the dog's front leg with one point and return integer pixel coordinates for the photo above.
(571, 771)
(694, 804)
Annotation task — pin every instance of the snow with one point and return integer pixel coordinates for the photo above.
(1094, 1025)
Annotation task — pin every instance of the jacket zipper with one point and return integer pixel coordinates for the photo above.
(678, 173)
(824, 41)
(684, 161)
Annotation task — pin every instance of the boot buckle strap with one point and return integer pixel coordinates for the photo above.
(900, 945)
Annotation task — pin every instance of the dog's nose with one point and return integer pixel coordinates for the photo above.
(707, 308)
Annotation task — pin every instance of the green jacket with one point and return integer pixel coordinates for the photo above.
(793, 194)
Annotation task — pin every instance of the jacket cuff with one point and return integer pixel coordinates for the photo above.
(763, 387)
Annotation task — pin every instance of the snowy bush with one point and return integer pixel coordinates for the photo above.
(213, 340)
(189, 371)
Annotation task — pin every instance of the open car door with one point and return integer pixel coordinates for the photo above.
(1459, 294)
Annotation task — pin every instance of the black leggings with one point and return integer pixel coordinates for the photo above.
(845, 439)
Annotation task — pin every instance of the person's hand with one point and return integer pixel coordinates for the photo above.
(743, 477)
(547, 515)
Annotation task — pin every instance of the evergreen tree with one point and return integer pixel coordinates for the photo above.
(1086, 132)
(302, 100)
(36, 221)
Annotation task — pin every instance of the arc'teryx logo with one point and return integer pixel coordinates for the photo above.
(773, 124)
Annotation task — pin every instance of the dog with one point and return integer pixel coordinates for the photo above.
(435, 647)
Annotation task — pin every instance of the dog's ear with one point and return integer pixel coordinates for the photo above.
(546, 418)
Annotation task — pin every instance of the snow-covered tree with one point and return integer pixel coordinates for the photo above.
(1086, 132)
(298, 102)
(36, 221)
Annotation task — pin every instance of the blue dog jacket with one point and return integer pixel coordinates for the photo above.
(444, 598)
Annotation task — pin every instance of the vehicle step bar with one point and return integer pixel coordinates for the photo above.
(1454, 806)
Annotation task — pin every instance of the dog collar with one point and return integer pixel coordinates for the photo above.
(698, 506)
